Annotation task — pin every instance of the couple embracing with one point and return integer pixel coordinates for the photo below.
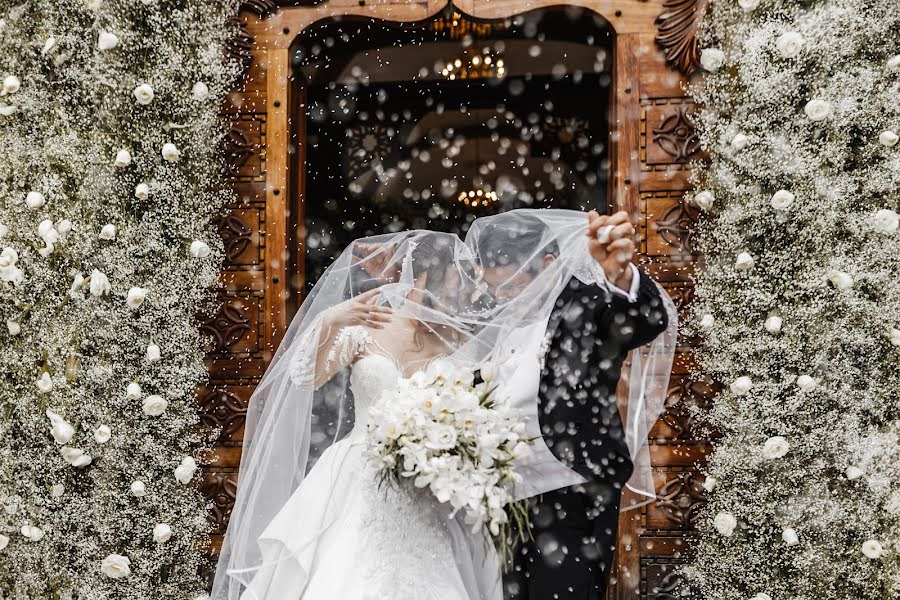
(544, 306)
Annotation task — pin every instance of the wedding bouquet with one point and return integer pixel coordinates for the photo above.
(439, 431)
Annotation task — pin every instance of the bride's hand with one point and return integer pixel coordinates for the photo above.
(360, 310)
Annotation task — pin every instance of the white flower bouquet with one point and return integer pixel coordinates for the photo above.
(438, 430)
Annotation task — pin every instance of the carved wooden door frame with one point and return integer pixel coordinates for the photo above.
(652, 138)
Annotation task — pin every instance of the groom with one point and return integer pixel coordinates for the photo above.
(582, 348)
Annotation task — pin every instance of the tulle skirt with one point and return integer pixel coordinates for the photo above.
(340, 536)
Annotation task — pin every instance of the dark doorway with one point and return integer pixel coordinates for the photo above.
(432, 124)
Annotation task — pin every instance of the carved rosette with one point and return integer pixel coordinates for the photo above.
(678, 29)
(224, 410)
(238, 148)
(676, 226)
(221, 488)
(676, 135)
(681, 499)
(236, 236)
(226, 327)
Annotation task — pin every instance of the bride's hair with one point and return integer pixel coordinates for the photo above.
(434, 257)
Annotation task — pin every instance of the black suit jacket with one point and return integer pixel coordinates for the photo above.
(592, 331)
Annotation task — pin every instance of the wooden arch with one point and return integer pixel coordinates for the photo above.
(652, 140)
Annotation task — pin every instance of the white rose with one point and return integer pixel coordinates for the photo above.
(185, 471)
(872, 549)
(49, 45)
(11, 85)
(894, 335)
(761, 596)
(138, 488)
(143, 94)
(61, 430)
(790, 537)
(4, 542)
(13, 328)
(108, 232)
(806, 383)
(440, 437)
(102, 434)
(200, 91)
(153, 353)
(744, 262)
(817, 110)
(44, 383)
(840, 280)
(7, 110)
(748, 5)
(123, 158)
(710, 483)
(154, 405)
(170, 152)
(8, 258)
(725, 523)
(142, 191)
(712, 59)
(99, 284)
(704, 200)
(162, 533)
(3, 230)
(888, 138)
(135, 297)
(741, 385)
(740, 141)
(782, 200)
(133, 391)
(853, 473)
(57, 490)
(64, 226)
(75, 456)
(707, 321)
(789, 44)
(107, 40)
(34, 534)
(199, 249)
(886, 221)
(34, 200)
(775, 447)
(893, 63)
(116, 566)
(773, 324)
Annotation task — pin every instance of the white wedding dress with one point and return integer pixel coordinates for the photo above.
(362, 542)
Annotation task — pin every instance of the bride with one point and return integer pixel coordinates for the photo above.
(310, 522)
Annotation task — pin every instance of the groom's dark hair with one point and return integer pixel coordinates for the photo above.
(496, 243)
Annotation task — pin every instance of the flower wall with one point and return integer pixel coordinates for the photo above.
(109, 180)
(800, 302)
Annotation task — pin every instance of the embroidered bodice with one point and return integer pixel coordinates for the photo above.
(369, 376)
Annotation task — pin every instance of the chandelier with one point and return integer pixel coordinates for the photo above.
(476, 198)
(475, 65)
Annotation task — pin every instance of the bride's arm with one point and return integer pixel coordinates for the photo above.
(343, 336)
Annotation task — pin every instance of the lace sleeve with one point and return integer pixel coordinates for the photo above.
(349, 344)
(310, 369)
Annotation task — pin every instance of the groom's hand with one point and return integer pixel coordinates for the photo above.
(616, 248)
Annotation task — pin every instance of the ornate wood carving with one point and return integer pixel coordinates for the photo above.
(675, 226)
(236, 235)
(226, 327)
(681, 499)
(239, 47)
(678, 27)
(671, 587)
(222, 409)
(676, 135)
(260, 8)
(238, 149)
(682, 399)
(221, 488)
